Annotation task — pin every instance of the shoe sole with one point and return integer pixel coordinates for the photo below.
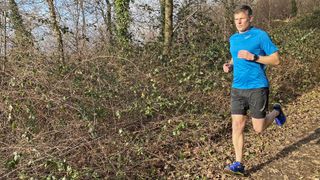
(227, 171)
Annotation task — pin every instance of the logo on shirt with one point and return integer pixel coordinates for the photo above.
(247, 37)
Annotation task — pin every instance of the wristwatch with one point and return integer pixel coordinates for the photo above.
(255, 58)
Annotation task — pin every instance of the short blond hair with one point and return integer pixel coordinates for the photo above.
(243, 8)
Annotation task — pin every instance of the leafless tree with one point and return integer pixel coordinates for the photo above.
(23, 37)
(162, 18)
(3, 30)
(105, 12)
(168, 26)
(56, 29)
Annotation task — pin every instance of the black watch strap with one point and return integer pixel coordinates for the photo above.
(255, 58)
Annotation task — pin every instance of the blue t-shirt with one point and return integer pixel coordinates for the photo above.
(250, 74)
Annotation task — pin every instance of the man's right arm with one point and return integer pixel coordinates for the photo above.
(228, 67)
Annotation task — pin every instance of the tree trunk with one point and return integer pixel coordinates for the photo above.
(168, 27)
(56, 29)
(123, 21)
(162, 17)
(109, 22)
(269, 14)
(23, 37)
(294, 8)
(77, 30)
(80, 31)
(3, 25)
(84, 27)
(5, 38)
(228, 19)
(106, 15)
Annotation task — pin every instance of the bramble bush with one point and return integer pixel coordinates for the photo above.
(134, 113)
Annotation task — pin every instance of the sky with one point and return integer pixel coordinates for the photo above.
(145, 14)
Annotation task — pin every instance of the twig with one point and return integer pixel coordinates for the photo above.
(190, 15)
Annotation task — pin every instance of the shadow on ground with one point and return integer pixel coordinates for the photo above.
(286, 151)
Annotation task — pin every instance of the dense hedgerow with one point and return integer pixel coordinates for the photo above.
(131, 113)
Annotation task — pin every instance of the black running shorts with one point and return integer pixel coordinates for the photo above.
(254, 100)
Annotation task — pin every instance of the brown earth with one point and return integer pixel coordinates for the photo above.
(197, 148)
(289, 152)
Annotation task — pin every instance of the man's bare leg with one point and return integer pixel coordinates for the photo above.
(238, 124)
(259, 125)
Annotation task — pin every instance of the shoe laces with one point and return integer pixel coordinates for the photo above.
(236, 165)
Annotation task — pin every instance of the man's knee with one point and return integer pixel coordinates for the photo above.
(258, 129)
(238, 125)
(258, 125)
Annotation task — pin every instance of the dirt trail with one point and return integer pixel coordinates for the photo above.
(293, 152)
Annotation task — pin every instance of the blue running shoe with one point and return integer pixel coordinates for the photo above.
(236, 168)
(281, 118)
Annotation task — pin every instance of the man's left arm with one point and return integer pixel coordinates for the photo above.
(272, 59)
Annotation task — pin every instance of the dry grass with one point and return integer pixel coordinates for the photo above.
(135, 115)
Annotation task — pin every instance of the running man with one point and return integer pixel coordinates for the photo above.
(251, 49)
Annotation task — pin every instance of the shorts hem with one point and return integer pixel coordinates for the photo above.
(238, 113)
(258, 117)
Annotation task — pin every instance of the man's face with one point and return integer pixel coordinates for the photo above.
(242, 21)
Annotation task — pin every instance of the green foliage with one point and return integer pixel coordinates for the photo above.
(177, 130)
(298, 46)
(123, 19)
(294, 8)
(60, 169)
(22, 36)
(13, 161)
(137, 114)
(309, 22)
